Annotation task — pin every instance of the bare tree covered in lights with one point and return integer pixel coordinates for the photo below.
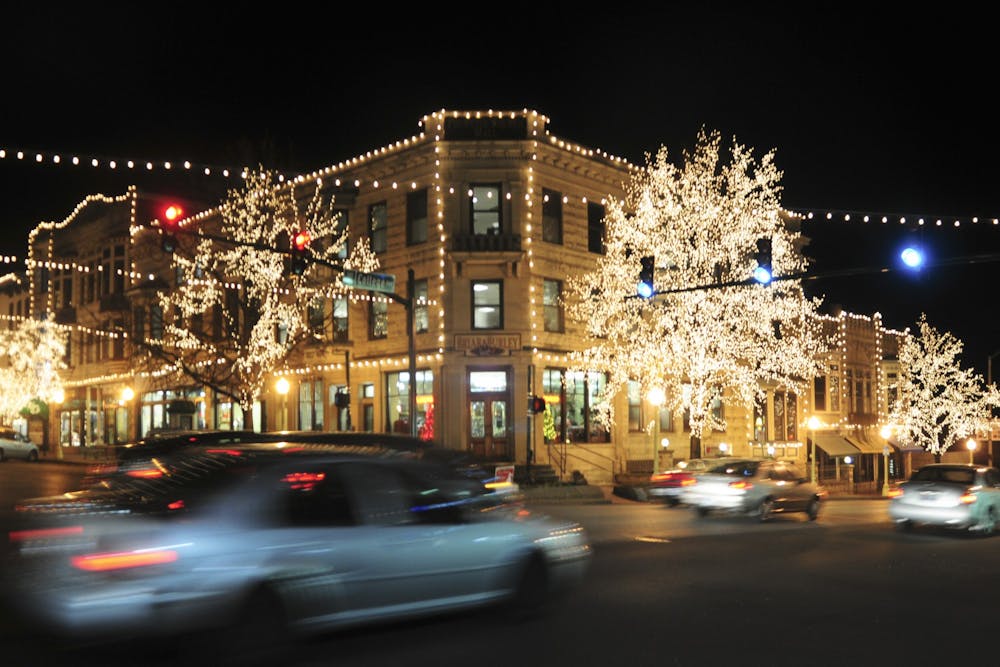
(938, 402)
(31, 356)
(700, 221)
(237, 312)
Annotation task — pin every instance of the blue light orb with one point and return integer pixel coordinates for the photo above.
(762, 275)
(645, 290)
(912, 257)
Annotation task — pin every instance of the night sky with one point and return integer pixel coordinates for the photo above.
(868, 110)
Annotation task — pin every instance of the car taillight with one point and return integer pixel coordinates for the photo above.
(967, 498)
(688, 481)
(146, 473)
(661, 477)
(44, 533)
(105, 562)
(741, 484)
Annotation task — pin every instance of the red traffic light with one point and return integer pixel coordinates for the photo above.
(536, 404)
(173, 213)
(301, 240)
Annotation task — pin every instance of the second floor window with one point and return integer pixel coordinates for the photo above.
(317, 312)
(378, 226)
(551, 216)
(378, 320)
(420, 307)
(487, 304)
(595, 228)
(340, 321)
(485, 211)
(416, 217)
(552, 305)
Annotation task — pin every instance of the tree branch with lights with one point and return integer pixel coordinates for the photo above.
(31, 356)
(938, 402)
(236, 312)
(700, 221)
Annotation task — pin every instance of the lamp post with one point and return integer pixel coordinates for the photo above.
(127, 395)
(656, 397)
(989, 382)
(58, 397)
(282, 387)
(970, 444)
(813, 424)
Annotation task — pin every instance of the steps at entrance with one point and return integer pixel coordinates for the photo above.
(539, 475)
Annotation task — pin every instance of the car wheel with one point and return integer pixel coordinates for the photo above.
(531, 589)
(812, 511)
(673, 502)
(32, 456)
(259, 633)
(702, 511)
(988, 525)
(904, 526)
(765, 509)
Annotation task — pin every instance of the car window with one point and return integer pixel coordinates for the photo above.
(380, 493)
(315, 497)
(737, 468)
(942, 474)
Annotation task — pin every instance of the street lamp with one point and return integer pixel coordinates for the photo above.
(58, 396)
(657, 397)
(282, 387)
(813, 424)
(970, 444)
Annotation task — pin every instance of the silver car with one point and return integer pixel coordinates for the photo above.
(948, 495)
(760, 487)
(13, 445)
(256, 548)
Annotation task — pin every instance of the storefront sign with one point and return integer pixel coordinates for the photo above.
(487, 344)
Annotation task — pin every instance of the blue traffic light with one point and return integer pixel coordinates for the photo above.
(645, 287)
(762, 273)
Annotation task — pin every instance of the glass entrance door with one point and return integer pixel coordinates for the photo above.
(489, 423)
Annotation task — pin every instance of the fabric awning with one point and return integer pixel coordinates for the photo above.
(903, 448)
(866, 444)
(835, 444)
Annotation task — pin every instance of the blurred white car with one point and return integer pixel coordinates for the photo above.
(948, 495)
(754, 486)
(13, 445)
(256, 547)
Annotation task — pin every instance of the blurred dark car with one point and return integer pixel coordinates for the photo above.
(958, 496)
(245, 547)
(138, 458)
(755, 486)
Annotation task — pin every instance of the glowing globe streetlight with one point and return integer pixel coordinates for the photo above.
(971, 445)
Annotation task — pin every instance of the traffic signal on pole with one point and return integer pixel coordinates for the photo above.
(645, 287)
(300, 246)
(172, 215)
(762, 273)
(536, 404)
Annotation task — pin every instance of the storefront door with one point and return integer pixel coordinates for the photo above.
(489, 422)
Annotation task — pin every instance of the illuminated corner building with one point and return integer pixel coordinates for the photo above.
(493, 215)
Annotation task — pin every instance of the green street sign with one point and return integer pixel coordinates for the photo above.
(375, 282)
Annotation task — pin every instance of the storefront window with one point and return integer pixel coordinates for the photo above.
(398, 400)
(574, 396)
